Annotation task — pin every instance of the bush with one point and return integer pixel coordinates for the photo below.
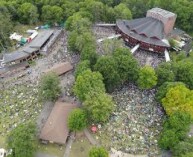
(87, 82)
(178, 98)
(99, 106)
(82, 66)
(77, 120)
(98, 152)
(22, 140)
(164, 88)
(147, 78)
(107, 66)
(164, 73)
(49, 87)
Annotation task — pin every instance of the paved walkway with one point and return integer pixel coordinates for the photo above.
(90, 137)
(69, 144)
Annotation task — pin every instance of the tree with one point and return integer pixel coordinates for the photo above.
(185, 73)
(183, 147)
(107, 66)
(88, 82)
(174, 130)
(98, 152)
(77, 120)
(77, 22)
(22, 140)
(110, 45)
(128, 67)
(164, 73)
(52, 14)
(122, 12)
(190, 154)
(82, 66)
(178, 98)
(28, 13)
(164, 88)
(147, 78)
(89, 53)
(5, 30)
(99, 106)
(77, 41)
(49, 87)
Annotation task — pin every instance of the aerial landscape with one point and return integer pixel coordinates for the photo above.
(96, 78)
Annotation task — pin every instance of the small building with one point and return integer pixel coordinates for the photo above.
(61, 68)
(55, 129)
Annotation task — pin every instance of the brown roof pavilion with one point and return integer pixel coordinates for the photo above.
(61, 68)
(55, 129)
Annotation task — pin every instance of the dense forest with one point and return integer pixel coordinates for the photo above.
(13, 12)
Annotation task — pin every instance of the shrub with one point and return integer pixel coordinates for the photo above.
(82, 66)
(98, 152)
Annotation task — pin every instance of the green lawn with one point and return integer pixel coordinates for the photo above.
(80, 148)
(52, 149)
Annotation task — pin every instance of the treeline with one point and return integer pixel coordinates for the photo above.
(57, 11)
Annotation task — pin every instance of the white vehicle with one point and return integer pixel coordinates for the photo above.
(2, 152)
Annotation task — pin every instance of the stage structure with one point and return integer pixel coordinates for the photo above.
(151, 33)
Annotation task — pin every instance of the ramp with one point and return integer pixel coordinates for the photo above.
(167, 56)
(135, 48)
(110, 37)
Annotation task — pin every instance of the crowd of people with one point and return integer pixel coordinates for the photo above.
(136, 122)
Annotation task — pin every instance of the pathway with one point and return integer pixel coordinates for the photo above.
(69, 144)
(90, 138)
(39, 154)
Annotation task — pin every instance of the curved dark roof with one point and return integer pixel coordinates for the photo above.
(148, 30)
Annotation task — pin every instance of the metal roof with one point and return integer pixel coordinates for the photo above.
(41, 38)
(148, 30)
(13, 56)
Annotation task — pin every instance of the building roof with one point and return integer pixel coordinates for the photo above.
(41, 38)
(55, 128)
(148, 30)
(61, 68)
(29, 48)
(13, 56)
(162, 12)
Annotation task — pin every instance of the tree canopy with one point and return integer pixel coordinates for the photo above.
(147, 78)
(49, 87)
(77, 120)
(178, 98)
(107, 66)
(86, 82)
(22, 140)
(128, 67)
(99, 106)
